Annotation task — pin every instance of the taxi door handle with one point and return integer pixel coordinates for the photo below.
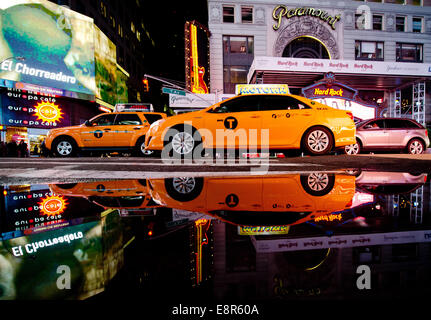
(254, 116)
(136, 128)
(107, 129)
(219, 120)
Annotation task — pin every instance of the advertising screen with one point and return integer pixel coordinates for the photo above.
(21, 109)
(105, 55)
(53, 48)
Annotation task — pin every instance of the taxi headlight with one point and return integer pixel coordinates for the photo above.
(156, 124)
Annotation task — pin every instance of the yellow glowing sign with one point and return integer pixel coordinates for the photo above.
(261, 89)
(329, 217)
(268, 230)
(52, 205)
(198, 83)
(48, 112)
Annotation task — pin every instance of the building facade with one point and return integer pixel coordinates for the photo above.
(381, 49)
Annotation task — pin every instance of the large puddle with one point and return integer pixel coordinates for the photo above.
(357, 234)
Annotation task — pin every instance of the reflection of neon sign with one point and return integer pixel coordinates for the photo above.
(48, 112)
(329, 217)
(263, 230)
(52, 205)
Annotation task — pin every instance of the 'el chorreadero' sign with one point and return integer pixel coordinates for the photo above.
(282, 11)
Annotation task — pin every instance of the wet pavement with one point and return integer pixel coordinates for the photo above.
(352, 234)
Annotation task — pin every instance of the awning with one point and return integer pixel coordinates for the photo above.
(361, 75)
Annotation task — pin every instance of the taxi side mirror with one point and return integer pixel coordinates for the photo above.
(87, 123)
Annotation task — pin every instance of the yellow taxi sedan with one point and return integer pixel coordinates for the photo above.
(107, 132)
(275, 122)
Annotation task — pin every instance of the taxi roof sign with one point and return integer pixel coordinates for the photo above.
(261, 89)
(134, 107)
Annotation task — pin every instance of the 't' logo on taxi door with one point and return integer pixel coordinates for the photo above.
(230, 123)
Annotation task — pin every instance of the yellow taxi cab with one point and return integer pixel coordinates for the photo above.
(116, 131)
(112, 194)
(292, 122)
(286, 199)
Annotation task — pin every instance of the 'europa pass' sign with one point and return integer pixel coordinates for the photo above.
(282, 11)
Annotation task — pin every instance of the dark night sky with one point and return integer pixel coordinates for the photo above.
(165, 22)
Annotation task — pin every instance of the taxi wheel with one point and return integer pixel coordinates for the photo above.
(64, 147)
(317, 183)
(184, 188)
(182, 142)
(415, 146)
(140, 149)
(318, 141)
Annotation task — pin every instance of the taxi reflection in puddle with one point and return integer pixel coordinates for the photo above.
(132, 196)
(258, 200)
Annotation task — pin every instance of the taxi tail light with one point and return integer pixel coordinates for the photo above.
(350, 114)
(349, 204)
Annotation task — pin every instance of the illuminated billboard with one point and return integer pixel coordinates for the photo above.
(53, 48)
(105, 56)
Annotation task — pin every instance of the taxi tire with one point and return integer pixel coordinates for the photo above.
(312, 130)
(197, 140)
(138, 148)
(327, 178)
(72, 142)
(185, 196)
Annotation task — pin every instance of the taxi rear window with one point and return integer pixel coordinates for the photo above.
(153, 117)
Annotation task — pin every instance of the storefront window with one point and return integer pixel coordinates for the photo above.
(369, 50)
(409, 52)
(228, 14)
(401, 24)
(417, 25)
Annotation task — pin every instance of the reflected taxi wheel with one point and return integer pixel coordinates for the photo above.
(184, 188)
(317, 183)
(415, 146)
(352, 149)
(318, 141)
(64, 147)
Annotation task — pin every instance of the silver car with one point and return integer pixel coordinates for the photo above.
(386, 134)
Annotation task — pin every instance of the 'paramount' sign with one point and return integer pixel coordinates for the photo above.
(282, 11)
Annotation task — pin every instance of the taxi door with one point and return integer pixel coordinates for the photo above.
(99, 132)
(128, 128)
(286, 118)
(235, 123)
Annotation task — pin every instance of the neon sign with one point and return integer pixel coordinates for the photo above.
(48, 112)
(198, 83)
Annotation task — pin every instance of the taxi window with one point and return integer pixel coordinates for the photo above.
(104, 120)
(152, 117)
(128, 119)
(241, 104)
(281, 103)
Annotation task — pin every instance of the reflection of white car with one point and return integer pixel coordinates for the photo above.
(389, 182)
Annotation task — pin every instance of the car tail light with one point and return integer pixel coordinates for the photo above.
(350, 114)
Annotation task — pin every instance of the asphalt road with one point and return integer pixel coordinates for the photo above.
(59, 170)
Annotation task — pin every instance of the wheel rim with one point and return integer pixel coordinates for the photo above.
(352, 148)
(184, 185)
(318, 181)
(64, 148)
(318, 140)
(145, 152)
(416, 147)
(183, 143)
